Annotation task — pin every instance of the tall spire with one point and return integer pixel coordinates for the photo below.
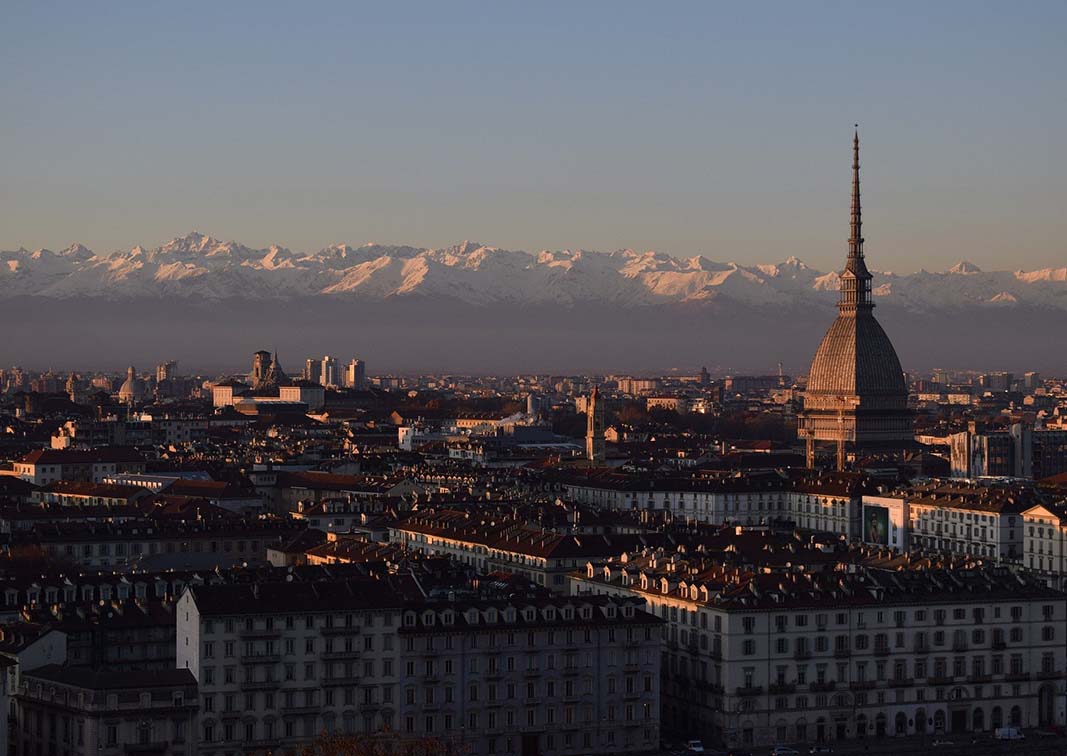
(855, 240)
(855, 279)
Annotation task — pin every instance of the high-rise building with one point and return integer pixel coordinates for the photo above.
(356, 374)
(594, 434)
(328, 373)
(999, 381)
(312, 370)
(166, 371)
(856, 396)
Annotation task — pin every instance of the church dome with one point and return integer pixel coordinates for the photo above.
(856, 357)
(132, 388)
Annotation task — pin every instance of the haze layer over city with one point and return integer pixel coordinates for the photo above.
(533, 380)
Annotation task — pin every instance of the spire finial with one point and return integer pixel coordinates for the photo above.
(856, 279)
(855, 239)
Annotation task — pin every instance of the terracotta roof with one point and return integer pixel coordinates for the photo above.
(102, 454)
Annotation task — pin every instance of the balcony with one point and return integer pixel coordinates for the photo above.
(1049, 675)
(802, 653)
(823, 687)
(261, 658)
(862, 685)
(332, 682)
(353, 654)
(754, 690)
(842, 653)
(901, 682)
(881, 650)
(160, 746)
(979, 678)
(921, 648)
(259, 684)
(259, 634)
(940, 680)
(780, 688)
(341, 630)
(1017, 677)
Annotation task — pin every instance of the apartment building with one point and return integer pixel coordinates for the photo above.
(826, 502)
(44, 466)
(279, 663)
(63, 710)
(498, 543)
(148, 544)
(818, 653)
(962, 518)
(1044, 534)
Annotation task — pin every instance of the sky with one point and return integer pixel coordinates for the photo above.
(720, 129)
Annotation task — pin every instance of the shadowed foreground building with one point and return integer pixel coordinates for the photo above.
(277, 664)
(856, 397)
(70, 710)
(834, 651)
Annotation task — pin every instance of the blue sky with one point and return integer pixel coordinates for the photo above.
(692, 128)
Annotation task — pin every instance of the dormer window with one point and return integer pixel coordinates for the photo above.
(409, 619)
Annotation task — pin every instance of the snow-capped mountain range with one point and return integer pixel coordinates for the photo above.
(198, 266)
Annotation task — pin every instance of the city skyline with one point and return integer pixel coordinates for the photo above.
(604, 129)
(637, 468)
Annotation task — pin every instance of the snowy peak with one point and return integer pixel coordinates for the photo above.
(964, 267)
(201, 266)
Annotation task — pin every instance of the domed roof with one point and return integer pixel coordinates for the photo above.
(132, 388)
(856, 357)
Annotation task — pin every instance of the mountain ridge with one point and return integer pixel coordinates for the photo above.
(203, 267)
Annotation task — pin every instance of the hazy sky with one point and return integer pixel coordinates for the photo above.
(692, 128)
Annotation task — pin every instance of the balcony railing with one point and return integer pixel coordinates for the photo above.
(753, 690)
(823, 687)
